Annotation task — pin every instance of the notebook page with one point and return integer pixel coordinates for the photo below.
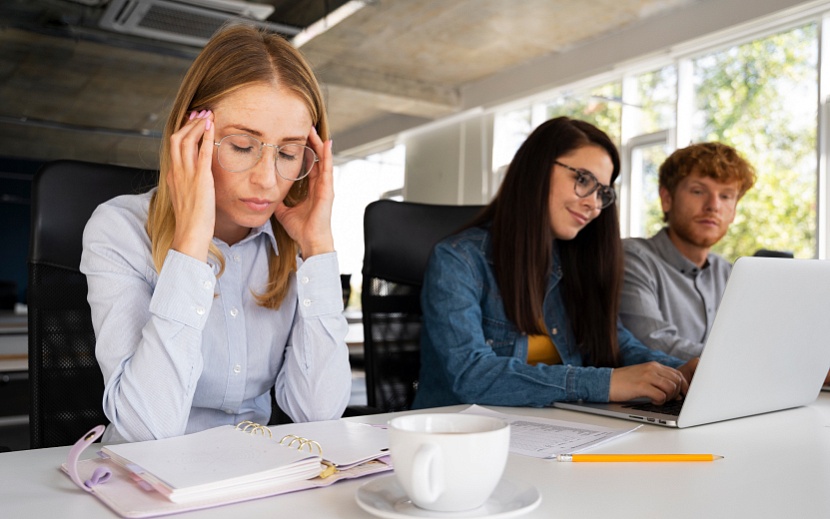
(344, 443)
(214, 458)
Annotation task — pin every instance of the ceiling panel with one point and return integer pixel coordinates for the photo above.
(105, 95)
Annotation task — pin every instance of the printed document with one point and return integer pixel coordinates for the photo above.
(546, 438)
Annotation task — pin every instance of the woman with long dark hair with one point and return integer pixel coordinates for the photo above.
(520, 308)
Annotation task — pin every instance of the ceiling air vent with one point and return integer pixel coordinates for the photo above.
(189, 22)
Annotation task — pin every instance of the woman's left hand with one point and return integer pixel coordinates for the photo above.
(309, 222)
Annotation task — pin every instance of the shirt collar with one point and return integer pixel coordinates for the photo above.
(672, 256)
(267, 229)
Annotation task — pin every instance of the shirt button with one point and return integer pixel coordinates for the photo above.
(228, 411)
(234, 312)
(554, 331)
(237, 369)
(200, 310)
(307, 302)
(489, 342)
(304, 280)
(236, 258)
(207, 285)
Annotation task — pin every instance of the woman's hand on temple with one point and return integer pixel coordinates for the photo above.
(190, 181)
(309, 222)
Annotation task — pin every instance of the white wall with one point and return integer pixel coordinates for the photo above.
(449, 161)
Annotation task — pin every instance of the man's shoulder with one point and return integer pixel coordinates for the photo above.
(647, 257)
(641, 248)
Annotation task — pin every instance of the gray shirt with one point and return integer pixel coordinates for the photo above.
(667, 301)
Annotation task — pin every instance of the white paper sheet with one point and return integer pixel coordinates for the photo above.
(546, 438)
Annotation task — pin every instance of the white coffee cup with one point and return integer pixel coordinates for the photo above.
(448, 462)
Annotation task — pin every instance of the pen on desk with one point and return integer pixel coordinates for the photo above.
(636, 457)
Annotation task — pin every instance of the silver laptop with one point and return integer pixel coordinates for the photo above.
(769, 348)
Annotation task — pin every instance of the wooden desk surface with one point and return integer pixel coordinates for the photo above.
(775, 465)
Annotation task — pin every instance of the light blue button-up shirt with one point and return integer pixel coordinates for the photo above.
(183, 350)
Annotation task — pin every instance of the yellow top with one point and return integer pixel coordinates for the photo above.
(541, 350)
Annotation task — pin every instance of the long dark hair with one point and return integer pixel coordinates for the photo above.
(523, 241)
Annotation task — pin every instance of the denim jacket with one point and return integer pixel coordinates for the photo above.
(471, 353)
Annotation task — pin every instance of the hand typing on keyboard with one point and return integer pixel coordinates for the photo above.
(651, 380)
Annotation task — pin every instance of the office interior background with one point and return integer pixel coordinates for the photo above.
(429, 99)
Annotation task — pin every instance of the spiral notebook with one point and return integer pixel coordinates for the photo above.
(218, 461)
(227, 464)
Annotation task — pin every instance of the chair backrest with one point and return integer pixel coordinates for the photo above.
(399, 237)
(65, 383)
(768, 253)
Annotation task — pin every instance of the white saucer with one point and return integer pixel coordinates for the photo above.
(384, 497)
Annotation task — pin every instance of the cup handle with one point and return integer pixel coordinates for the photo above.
(427, 474)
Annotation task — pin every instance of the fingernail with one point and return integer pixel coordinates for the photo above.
(315, 129)
(202, 113)
(207, 125)
(192, 115)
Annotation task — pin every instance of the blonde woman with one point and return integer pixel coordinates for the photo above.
(222, 282)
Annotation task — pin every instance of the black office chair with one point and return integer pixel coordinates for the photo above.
(768, 253)
(399, 237)
(65, 383)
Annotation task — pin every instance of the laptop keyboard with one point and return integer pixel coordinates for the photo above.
(672, 407)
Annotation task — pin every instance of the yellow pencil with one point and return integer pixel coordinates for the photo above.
(636, 457)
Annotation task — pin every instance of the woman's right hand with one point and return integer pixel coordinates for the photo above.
(190, 181)
(651, 380)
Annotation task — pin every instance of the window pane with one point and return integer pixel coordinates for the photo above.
(646, 211)
(760, 97)
(654, 101)
(357, 184)
(510, 129)
(650, 113)
(601, 106)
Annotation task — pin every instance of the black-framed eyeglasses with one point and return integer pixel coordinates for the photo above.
(241, 152)
(586, 184)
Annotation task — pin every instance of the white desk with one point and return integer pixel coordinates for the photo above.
(776, 465)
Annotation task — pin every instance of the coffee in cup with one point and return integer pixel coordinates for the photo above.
(448, 462)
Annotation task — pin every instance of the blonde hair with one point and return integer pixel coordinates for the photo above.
(238, 56)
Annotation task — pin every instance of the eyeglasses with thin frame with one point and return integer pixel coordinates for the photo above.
(586, 184)
(241, 152)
